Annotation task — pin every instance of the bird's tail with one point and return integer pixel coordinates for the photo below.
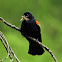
(35, 49)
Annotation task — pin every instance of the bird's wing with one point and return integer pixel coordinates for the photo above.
(38, 25)
(37, 22)
(39, 31)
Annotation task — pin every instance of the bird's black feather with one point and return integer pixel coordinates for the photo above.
(30, 28)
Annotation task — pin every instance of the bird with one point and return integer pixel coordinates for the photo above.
(31, 27)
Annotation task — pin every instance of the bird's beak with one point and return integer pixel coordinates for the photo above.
(24, 18)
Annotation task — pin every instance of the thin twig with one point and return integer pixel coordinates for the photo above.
(6, 45)
(9, 47)
(6, 50)
(46, 48)
(9, 50)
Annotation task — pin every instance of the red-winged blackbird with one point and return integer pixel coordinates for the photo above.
(31, 27)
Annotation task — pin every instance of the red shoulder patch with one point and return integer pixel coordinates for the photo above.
(37, 22)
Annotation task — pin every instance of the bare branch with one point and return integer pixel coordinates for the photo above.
(8, 48)
(8, 24)
(42, 45)
(46, 48)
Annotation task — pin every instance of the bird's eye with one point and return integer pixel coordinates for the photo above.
(27, 15)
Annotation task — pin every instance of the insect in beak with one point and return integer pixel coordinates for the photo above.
(24, 18)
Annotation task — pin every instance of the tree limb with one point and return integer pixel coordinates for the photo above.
(8, 24)
(46, 48)
(35, 40)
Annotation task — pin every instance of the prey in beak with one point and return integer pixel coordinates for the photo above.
(24, 18)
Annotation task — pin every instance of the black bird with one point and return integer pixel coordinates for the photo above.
(31, 27)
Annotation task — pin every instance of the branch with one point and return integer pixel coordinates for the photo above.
(8, 24)
(46, 48)
(35, 40)
(8, 48)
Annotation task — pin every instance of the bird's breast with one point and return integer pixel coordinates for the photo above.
(28, 28)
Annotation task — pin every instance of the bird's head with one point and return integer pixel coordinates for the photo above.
(27, 16)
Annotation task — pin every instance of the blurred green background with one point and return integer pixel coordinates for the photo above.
(49, 15)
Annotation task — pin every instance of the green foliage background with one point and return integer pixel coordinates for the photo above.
(49, 15)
